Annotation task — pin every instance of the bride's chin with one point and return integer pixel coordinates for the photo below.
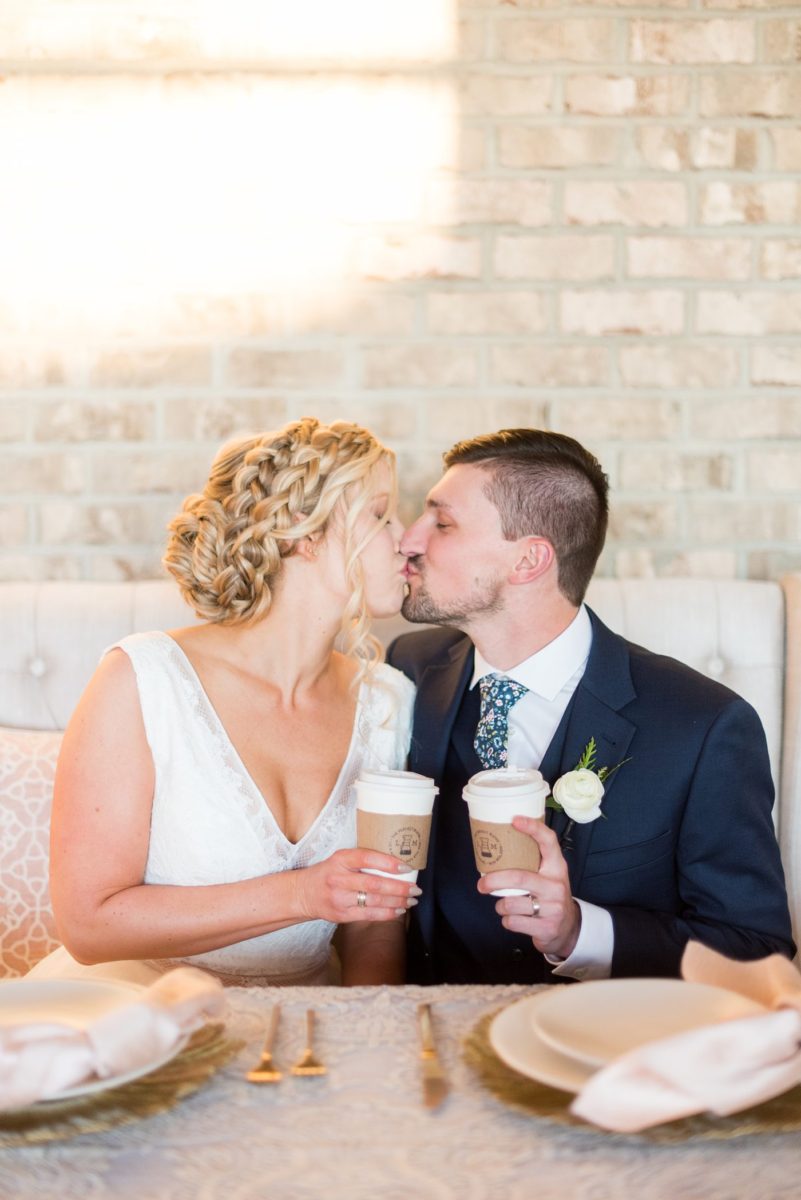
(390, 608)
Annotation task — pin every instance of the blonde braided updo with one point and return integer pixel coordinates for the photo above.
(264, 493)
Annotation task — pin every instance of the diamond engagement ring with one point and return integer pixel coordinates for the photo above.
(361, 899)
(535, 906)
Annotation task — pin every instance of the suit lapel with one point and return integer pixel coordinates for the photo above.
(439, 695)
(605, 688)
(463, 731)
(613, 733)
(551, 765)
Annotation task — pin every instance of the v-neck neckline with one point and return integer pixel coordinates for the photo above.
(251, 782)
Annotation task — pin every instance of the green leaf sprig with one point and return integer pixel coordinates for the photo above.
(587, 763)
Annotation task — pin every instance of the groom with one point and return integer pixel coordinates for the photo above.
(523, 674)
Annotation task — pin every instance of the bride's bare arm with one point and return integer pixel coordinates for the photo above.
(100, 833)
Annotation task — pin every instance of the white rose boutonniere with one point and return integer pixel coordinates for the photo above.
(579, 793)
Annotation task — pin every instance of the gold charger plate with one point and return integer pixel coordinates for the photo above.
(208, 1050)
(782, 1114)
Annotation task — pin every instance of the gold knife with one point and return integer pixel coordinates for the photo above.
(435, 1084)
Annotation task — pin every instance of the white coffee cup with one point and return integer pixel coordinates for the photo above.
(493, 798)
(393, 815)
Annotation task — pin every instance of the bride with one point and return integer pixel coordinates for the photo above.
(203, 809)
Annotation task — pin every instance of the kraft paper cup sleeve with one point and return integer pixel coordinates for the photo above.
(500, 847)
(403, 835)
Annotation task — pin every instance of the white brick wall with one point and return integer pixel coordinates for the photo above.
(586, 217)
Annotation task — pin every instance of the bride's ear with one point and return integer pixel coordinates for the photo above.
(308, 547)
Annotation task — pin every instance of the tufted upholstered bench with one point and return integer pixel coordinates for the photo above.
(745, 633)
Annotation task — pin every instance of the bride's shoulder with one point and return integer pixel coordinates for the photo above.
(386, 722)
(136, 645)
(389, 697)
(399, 684)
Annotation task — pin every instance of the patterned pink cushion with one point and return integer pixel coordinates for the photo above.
(27, 768)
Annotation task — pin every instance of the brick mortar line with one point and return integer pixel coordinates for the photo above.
(390, 393)
(624, 11)
(626, 120)
(489, 67)
(674, 446)
(673, 440)
(319, 68)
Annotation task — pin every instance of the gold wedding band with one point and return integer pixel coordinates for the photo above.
(361, 899)
(535, 906)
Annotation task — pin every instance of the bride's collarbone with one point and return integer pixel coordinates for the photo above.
(304, 737)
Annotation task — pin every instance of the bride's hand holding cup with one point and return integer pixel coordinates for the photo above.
(337, 889)
(393, 816)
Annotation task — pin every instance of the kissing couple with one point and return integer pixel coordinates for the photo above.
(204, 807)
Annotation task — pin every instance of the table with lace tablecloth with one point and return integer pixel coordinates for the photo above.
(362, 1130)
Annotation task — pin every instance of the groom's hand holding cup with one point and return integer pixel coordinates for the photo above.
(519, 858)
(494, 798)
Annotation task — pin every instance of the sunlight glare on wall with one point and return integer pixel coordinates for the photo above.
(237, 30)
(125, 194)
(345, 30)
(130, 188)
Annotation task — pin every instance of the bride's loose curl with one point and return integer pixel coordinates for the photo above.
(264, 494)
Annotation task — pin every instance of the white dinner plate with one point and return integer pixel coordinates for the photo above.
(74, 1002)
(597, 1021)
(514, 1039)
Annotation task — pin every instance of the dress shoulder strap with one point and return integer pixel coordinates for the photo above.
(385, 722)
(166, 685)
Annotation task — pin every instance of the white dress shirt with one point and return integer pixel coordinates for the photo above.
(552, 676)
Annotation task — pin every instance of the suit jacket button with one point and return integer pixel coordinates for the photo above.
(517, 954)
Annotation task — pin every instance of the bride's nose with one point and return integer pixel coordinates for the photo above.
(412, 541)
(398, 533)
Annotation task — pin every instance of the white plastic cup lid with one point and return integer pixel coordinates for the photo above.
(399, 779)
(503, 782)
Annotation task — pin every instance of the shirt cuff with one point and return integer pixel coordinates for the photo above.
(592, 953)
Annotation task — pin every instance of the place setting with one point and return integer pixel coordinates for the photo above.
(84, 1055)
(713, 1055)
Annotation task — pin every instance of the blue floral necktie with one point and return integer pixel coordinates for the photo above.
(498, 696)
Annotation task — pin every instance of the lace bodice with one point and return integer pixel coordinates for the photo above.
(210, 823)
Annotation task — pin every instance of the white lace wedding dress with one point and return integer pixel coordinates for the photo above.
(210, 824)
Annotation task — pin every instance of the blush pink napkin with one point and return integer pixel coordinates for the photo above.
(40, 1060)
(720, 1068)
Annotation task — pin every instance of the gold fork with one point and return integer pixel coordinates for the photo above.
(264, 1071)
(307, 1064)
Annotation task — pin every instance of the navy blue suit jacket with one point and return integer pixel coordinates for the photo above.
(687, 848)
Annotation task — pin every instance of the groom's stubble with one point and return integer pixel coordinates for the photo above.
(420, 607)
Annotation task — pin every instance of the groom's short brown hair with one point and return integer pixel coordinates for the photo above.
(545, 484)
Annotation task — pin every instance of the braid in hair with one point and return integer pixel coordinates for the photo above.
(263, 495)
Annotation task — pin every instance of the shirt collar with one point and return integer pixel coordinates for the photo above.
(548, 670)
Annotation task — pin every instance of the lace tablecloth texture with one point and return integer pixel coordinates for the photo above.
(362, 1132)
